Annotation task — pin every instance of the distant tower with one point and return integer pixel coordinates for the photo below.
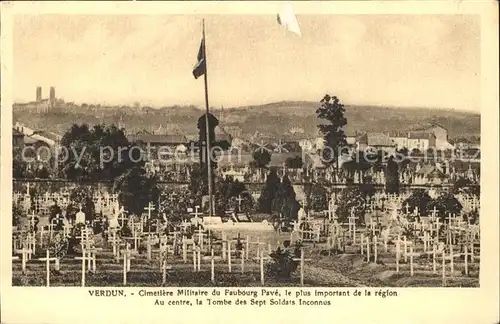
(38, 94)
(52, 98)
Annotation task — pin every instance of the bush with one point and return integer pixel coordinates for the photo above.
(351, 199)
(16, 216)
(136, 190)
(283, 265)
(472, 216)
(418, 199)
(466, 186)
(446, 204)
(269, 193)
(318, 198)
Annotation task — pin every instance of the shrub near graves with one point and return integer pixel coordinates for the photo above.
(446, 204)
(419, 199)
(174, 203)
(282, 264)
(351, 199)
(136, 190)
(16, 215)
(269, 193)
(472, 216)
(318, 198)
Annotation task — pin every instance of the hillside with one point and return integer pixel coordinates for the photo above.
(273, 119)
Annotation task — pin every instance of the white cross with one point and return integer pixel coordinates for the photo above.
(239, 199)
(47, 259)
(32, 220)
(302, 263)
(196, 214)
(149, 209)
(85, 257)
(25, 256)
(434, 212)
(122, 218)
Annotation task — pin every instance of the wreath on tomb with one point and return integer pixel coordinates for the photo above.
(282, 263)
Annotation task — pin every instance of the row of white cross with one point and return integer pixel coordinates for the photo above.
(89, 251)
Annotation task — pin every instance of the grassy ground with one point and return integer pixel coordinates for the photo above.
(348, 269)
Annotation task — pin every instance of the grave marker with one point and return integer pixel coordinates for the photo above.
(47, 260)
(302, 264)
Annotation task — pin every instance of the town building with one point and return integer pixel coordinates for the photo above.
(40, 104)
(421, 140)
(440, 132)
(400, 139)
(377, 142)
(167, 145)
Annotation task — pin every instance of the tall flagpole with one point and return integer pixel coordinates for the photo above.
(207, 141)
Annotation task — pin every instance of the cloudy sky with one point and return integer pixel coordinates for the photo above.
(398, 60)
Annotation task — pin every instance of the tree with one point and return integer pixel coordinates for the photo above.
(418, 199)
(391, 176)
(198, 187)
(136, 190)
(294, 162)
(351, 200)
(269, 193)
(332, 111)
(100, 153)
(402, 157)
(77, 140)
(284, 203)
(261, 158)
(288, 187)
(19, 165)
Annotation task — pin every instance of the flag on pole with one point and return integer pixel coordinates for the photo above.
(200, 67)
(287, 19)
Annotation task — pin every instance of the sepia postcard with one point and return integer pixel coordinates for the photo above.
(196, 161)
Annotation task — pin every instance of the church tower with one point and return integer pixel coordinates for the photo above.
(52, 98)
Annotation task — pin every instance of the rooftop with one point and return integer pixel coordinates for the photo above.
(153, 138)
(375, 139)
(421, 135)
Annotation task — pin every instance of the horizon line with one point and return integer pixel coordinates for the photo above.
(159, 107)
